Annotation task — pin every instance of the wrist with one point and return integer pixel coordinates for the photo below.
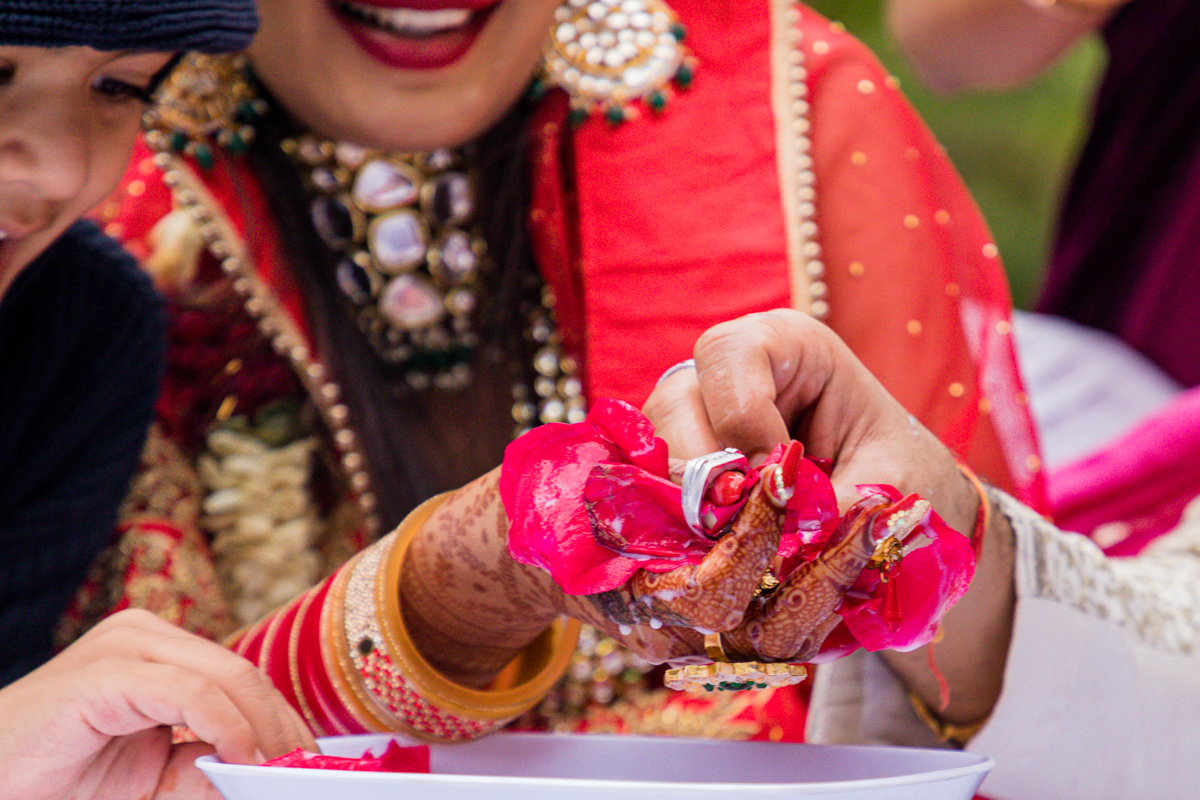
(468, 606)
(972, 648)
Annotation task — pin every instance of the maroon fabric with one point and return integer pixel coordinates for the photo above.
(1127, 258)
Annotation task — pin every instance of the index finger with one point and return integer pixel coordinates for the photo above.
(277, 727)
(750, 376)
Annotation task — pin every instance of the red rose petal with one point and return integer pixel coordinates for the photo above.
(592, 503)
(394, 759)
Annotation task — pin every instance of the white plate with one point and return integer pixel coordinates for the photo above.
(536, 766)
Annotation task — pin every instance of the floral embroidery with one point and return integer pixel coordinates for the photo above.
(1156, 596)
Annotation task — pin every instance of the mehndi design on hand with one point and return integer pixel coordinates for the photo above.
(714, 594)
(776, 571)
(792, 621)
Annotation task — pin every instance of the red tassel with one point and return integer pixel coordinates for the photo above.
(893, 615)
(943, 686)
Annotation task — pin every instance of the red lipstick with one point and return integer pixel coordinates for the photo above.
(413, 50)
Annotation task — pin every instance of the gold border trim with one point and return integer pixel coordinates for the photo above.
(223, 240)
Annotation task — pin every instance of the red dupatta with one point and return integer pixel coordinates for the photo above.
(678, 221)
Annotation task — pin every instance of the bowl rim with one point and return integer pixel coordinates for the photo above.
(980, 764)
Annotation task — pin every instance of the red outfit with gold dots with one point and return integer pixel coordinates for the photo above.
(791, 173)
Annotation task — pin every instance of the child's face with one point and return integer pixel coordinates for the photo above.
(68, 119)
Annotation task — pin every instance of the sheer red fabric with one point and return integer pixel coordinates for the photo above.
(654, 230)
(676, 222)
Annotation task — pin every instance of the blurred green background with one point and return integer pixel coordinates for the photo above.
(1014, 149)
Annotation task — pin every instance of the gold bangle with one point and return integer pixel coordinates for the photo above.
(403, 688)
(723, 675)
(945, 731)
(335, 653)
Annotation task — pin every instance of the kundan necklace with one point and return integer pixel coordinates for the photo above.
(411, 262)
(410, 254)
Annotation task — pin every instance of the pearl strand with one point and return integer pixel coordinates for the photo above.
(805, 177)
(225, 245)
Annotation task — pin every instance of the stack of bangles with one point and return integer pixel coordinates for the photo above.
(341, 655)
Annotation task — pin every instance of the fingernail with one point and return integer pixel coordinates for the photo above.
(791, 462)
(781, 479)
(726, 489)
(259, 758)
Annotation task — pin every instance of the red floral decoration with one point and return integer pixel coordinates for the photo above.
(592, 503)
(394, 759)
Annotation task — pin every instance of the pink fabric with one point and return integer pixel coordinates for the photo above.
(1143, 480)
(591, 544)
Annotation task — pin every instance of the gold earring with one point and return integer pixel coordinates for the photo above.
(206, 100)
(608, 54)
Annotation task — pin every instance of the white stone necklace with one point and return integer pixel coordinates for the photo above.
(411, 256)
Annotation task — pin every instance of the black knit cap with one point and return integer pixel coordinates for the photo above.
(209, 26)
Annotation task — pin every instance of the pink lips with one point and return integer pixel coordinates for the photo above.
(399, 51)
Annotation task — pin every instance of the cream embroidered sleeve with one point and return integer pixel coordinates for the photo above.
(1101, 692)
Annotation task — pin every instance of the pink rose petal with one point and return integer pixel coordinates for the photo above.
(394, 759)
(592, 503)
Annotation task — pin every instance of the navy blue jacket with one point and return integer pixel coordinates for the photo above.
(82, 337)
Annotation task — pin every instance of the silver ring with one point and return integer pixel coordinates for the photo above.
(687, 363)
(698, 475)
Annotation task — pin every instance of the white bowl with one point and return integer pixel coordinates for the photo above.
(538, 766)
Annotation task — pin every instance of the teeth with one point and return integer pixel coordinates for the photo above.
(410, 21)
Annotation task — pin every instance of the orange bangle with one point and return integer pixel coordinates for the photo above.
(984, 516)
(395, 681)
(341, 655)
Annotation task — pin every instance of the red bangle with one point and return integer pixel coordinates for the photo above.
(274, 658)
(314, 680)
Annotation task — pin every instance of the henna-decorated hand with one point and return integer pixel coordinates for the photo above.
(791, 622)
(714, 594)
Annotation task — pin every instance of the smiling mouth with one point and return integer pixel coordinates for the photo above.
(409, 22)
